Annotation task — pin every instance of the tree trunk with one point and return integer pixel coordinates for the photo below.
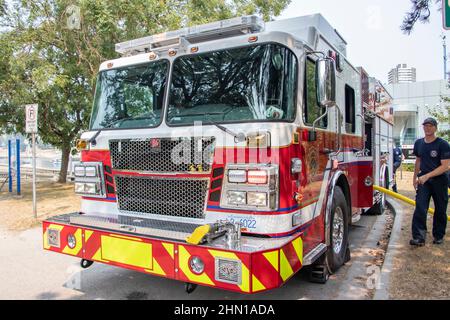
(65, 154)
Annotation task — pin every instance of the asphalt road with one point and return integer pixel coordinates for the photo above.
(29, 272)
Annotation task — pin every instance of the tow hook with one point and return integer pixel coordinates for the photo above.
(189, 287)
(86, 263)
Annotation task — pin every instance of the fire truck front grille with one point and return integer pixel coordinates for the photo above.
(169, 197)
(162, 155)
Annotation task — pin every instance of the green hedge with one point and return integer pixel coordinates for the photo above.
(408, 167)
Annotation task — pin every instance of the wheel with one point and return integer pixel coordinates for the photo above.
(380, 199)
(190, 287)
(86, 263)
(338, 252)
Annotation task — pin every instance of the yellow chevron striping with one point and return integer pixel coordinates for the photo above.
(78, 244)
(169, 248)
(156, 268)
(87, 235)
(298, 247)
(285, 267)
(245, 285)
(54, 227)
(256, 284)
(272, 257)
(183, 260)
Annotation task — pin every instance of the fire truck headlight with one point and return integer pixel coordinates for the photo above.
(196, 265)
(71, 241)
(91, 171)
(257, 198)
(257, 176)
(79, 187)
(90, 188)
(89, 179)
(237, 197)
(237, 176)
(79, 171)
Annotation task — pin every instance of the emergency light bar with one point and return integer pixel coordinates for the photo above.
(195, 34)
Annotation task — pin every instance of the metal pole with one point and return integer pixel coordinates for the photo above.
(9, 167)
(34, 174)
(18, 165)
(444, 44)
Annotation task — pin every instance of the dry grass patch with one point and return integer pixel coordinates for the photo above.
(16, 212)
(419, 273)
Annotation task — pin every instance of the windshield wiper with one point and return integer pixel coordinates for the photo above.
(238, 137)
(92, 140)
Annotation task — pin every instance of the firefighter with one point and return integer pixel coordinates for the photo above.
(398, 158)
(430, 180)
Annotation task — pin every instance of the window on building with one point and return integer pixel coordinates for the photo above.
(350, 118)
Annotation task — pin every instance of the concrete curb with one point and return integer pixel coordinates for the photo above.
(352, 288)
(393, 249)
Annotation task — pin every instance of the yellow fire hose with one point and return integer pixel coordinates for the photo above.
(402, 198)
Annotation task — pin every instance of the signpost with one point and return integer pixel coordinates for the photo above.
(446, 14)
(31, 112)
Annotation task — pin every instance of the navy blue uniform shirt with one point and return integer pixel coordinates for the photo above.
(397, 155)
(431, 154)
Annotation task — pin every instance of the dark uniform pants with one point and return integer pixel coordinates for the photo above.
(435, 188)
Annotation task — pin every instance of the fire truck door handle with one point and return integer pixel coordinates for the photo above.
(339, 127)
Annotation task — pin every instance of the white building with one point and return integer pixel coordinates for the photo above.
(402, 74)
(412, 105)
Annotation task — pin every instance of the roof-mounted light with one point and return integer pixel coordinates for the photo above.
(195, 34)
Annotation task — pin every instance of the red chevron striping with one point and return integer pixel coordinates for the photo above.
(163, 258)
(92, 245)
(265, 272)
(292, 257)
(207, 258)
(65, 231)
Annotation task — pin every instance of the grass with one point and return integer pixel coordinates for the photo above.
(16, 212)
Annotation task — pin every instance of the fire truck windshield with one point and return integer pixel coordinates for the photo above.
(254, 83)
(130, 97)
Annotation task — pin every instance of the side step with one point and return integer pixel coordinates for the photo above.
(314, 254)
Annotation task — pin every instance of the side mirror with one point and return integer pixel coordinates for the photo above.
(326, 82)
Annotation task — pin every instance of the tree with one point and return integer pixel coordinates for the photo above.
(442, 115)
(420, 11)
(50, 51)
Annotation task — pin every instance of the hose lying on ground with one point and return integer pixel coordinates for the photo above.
(402, 198)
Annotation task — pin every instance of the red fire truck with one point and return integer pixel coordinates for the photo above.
(230, 155)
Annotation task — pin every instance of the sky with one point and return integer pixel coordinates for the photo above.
(375, 41)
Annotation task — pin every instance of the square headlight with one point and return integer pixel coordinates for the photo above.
(237, 197)
(91, 171)
(257, 198)
(86, 188)
(237, 176)
(79, 171)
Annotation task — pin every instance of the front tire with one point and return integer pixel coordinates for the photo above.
(338, 251)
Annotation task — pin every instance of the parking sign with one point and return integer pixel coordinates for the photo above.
(31, 112)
